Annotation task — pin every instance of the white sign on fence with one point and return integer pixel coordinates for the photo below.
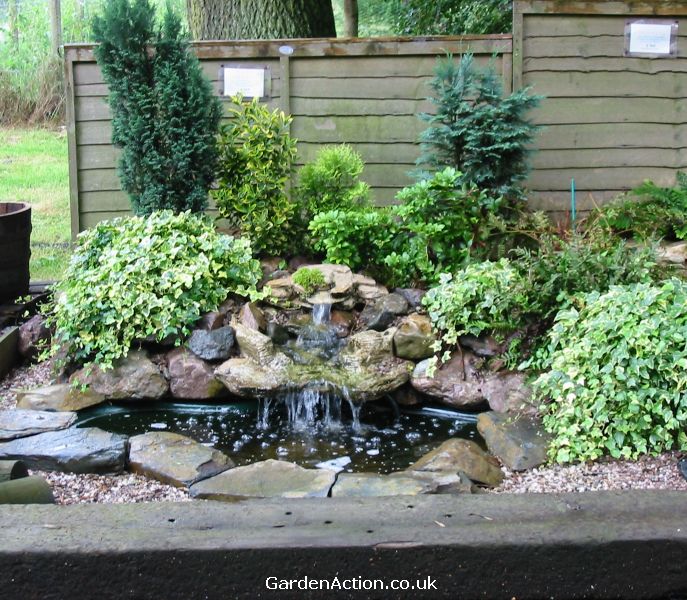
(250, 83)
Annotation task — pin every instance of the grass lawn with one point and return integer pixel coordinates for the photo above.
(34, 169)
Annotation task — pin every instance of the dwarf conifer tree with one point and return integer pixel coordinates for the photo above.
(476, 129)
(165, 117)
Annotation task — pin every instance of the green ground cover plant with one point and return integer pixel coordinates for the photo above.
(135, 277)
(165, 116)
(617, 376)
(310, 279)
(34, 169)
(256, 153)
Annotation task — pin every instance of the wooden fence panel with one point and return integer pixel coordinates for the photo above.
(366, 93)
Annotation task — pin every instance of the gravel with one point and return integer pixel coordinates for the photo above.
(647, 473)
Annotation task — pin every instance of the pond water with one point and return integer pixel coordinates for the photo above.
(382, 438)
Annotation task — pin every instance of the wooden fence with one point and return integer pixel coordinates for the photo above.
(366, 93)
(609, 121)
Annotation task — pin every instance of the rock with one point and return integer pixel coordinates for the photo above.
(190, 378)
(371, 292)
(229, 307)
(175, 459)
(299, 261)
(212, 345)
(414, 338)
(338, 278)
(372, 485)
(675, 253)
(297, 321)
(88, 450)
(443, 482)
(23, 423)
(252, 317)
(281, 288)
(32, 335)
(58, 397)
(518, 441)
(258, 347)
(277, 333)
(682, 467)
(368, 347)
(134, 376)
(342, 322)
(461, 383)
(413, 296)
(481, 346)
(266, 479)
(245, 378)
(211, 321)
(359, 279)
(270, 264)
(456, 455)
(321, 297)
(383, 312)
(407, 396)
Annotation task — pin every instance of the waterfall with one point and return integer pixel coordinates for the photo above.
(321, 314)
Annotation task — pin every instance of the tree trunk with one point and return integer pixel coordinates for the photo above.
(351, 18)
(260, 19)
(55, 27)
(14, 21)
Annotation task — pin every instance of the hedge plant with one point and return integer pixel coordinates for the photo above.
(132, 278)
(256, 153)
(617, 382)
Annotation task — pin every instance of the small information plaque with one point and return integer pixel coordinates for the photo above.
(250, 82)
(651, 38)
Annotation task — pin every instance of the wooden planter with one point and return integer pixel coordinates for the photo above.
(15, 250)
(9, 339)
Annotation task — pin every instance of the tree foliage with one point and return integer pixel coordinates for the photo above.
(164, 114)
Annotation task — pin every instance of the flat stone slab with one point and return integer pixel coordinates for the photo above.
(518, 441)
(87, 450)
(266, 479)
(58, 397)
(372, 485)
(175, 459)
(20, 423)
(459, 455)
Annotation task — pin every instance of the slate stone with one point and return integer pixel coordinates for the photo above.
(175, 459)
(456, 455)
(134, 376)
(266, 479)
(20, 423)
(371, 485)
(87, 450)
(518, 441)
(58, 397)
(212, 345)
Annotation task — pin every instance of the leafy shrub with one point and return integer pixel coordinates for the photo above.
(430, 231)
(164, 115)
(332, 182)
(310, 279)
(256, 152)
(618, 374)
(476, 129)
(485, 298)
(648, 211)
(130, 278)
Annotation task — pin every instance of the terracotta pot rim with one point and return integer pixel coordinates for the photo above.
(14, 208)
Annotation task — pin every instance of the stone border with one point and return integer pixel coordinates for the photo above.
(594, 545)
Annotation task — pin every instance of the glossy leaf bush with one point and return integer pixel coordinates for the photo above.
(617, 378)
(133, 277)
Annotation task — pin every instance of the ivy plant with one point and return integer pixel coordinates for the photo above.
(133, 278)
(256, 153)
(617, 378)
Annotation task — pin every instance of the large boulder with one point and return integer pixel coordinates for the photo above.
(58, 397)
(414, 339)
(32, 335)
(191, 378)
(245, 378)
(212, 345)
(87, 450)
(134, 376)
(459, 455)
(23, 423)
(175, 459)
(266, 479)
(463, 382)
(380, 314)
(517, 440)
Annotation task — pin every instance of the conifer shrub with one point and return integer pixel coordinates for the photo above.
(476, 129)
(256, 153)
(165, 117)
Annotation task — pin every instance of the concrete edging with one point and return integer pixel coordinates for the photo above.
(592, 545)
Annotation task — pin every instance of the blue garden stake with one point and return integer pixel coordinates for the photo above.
(573, 206)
